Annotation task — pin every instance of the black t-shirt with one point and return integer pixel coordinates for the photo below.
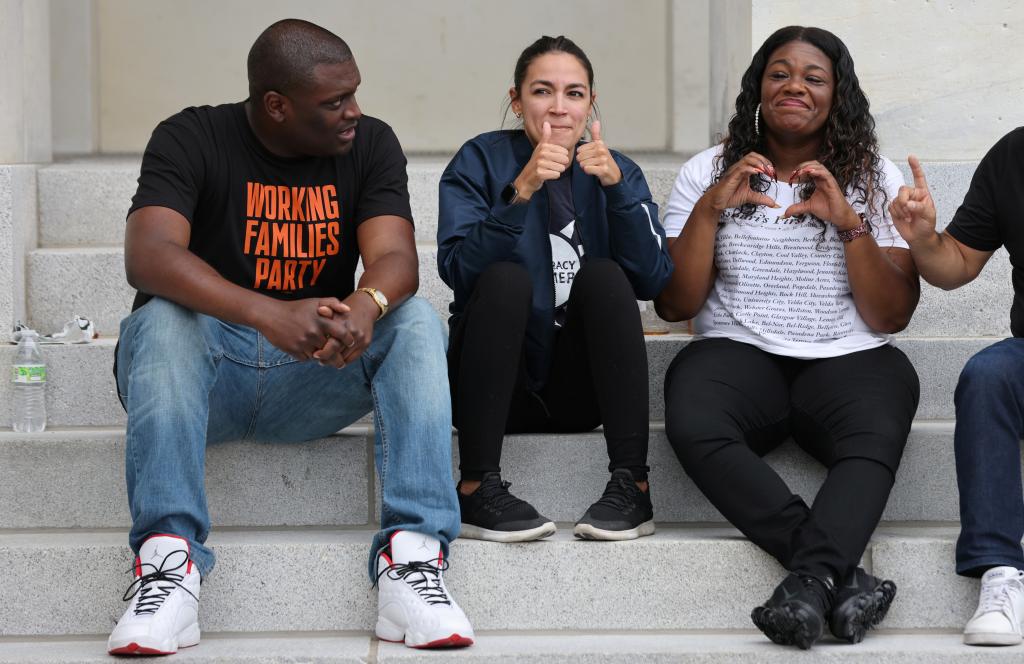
(566, 247)
(283, 227)
(992, 214)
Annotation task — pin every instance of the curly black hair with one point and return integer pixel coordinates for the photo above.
(849, 149)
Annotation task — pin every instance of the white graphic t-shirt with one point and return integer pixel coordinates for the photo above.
(781, 286)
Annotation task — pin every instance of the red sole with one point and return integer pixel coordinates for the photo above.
(453, 641)
(136, 649)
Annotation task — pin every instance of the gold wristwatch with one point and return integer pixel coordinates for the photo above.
(378, 297)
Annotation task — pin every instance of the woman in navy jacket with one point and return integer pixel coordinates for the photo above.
(548, 241)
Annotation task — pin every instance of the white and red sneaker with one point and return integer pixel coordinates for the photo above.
(413, 604)
(164, 611)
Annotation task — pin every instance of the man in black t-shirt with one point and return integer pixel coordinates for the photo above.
(990, 393)
(242, 240)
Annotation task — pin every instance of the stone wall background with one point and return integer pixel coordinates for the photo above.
(945, 78)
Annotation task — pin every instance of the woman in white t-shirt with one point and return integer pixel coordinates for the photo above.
(794, 276)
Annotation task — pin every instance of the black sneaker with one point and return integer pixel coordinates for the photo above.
(492, 513)
(624, 512)
(861, 603)
(795, 613)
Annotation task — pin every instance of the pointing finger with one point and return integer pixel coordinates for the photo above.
(915, 167)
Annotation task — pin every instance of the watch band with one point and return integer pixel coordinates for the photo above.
(855, 232)
(378, 299)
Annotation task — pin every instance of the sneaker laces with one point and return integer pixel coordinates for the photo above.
(496, 496)
(153, 588)
(995, 596)
(619, 494)
(427, 585)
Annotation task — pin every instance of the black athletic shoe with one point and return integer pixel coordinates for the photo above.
(624, 512)
(492, 513)
(795, 613)
(861, 603)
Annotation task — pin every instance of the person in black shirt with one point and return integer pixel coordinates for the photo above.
(990, 393)
(547, 242)
(242, 241)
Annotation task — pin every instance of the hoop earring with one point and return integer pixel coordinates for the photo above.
(757, 120)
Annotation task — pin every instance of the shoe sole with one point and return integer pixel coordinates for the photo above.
(992, 639)
(854, 617)
(784, 627)
(588, 532)
(186, 639)
(470, 531)
(453, 641)
(391, 632)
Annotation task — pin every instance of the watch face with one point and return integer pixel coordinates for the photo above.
(508, 194)
(383, 298)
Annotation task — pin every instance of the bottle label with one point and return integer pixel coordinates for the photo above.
(29, 374)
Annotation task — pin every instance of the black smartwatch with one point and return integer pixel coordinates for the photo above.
(510, 195)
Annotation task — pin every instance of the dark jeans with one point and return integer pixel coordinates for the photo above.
(989, 427)
(598, 369)
(728, 403)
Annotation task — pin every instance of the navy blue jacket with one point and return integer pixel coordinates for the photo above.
(476, 228)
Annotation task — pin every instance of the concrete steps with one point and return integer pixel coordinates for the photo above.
(81, 389)
(82, 202)
(315, 580)
(330, 483)
(292, 523)
(522, 648)
(79, 265)
(90, 281)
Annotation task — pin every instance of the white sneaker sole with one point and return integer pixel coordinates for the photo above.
(387, 630)
(992, 639)
(589, 532)
(469, 531)
(143, 646)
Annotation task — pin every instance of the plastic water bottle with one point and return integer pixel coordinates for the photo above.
(29, 377)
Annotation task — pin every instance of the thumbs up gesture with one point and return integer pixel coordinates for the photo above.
(595, 159)
(547, 162)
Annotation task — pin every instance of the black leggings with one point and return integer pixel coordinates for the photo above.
(598, 371)
(729, 403)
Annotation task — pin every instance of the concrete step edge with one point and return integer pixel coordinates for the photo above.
(529, 646)
(666, 535)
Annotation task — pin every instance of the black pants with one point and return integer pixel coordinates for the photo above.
(598, 372)
(729, 403)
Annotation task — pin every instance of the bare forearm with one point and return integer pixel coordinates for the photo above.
(395, 273)
(885, 294)
(167, 270)
(693, 254)
(940, 262)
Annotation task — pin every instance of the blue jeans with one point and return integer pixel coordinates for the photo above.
(187, 379)
(989, 427)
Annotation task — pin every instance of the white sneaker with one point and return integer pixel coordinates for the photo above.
(1000, 609)
(164, 611)
(413, 604)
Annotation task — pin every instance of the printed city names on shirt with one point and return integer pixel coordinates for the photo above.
(782, 280)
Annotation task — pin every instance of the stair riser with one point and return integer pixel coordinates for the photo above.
(326, 482)
(667, 582)
(81, 390)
